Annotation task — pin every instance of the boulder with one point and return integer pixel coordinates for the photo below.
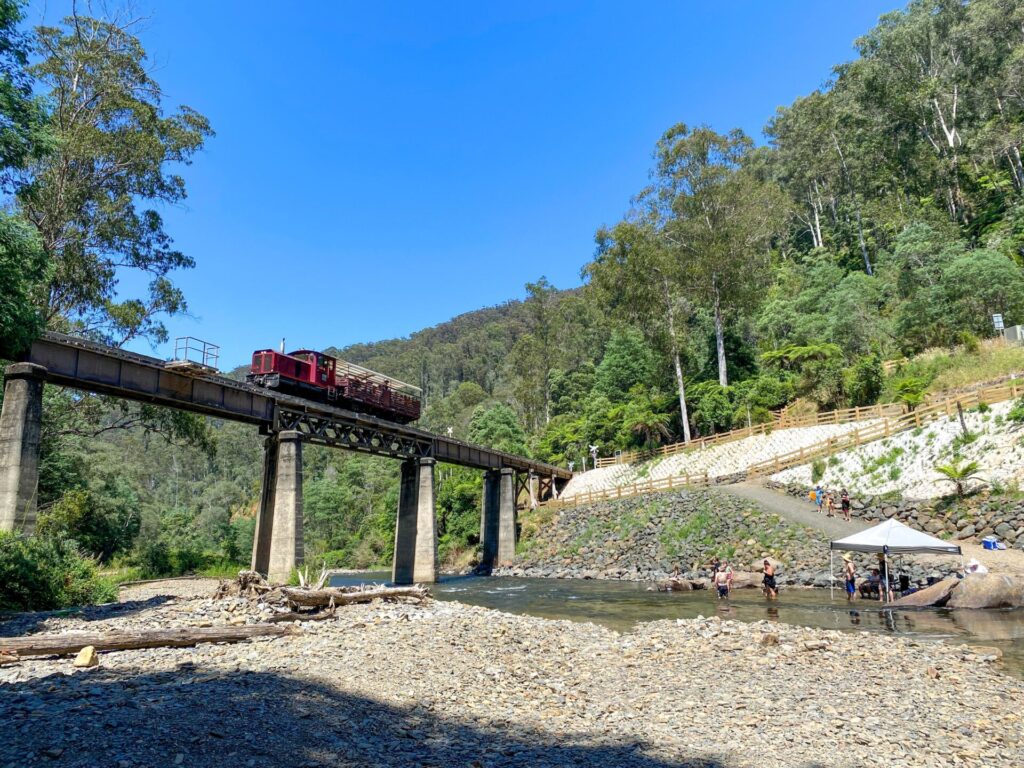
(966, 532)
(87, 657)
(988, 590)
(674, 585)
(746, 579)
(935, 595)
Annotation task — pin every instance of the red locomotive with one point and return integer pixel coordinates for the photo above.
(321, 377)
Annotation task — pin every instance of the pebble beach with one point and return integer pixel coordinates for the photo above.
(446, 684)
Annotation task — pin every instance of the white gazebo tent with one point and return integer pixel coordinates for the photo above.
(890, 537)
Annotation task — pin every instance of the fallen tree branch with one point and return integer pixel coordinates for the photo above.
(61, 645)
(319, 598)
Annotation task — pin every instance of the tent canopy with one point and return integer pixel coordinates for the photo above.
(895, 538)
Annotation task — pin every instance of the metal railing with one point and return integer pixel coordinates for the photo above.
(188, 349)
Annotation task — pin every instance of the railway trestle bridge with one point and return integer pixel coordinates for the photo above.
(287, 422)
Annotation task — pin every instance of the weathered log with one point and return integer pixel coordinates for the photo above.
(61, 645)
(327, 613)
(320, 598)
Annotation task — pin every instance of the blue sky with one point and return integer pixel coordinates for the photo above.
(382, 167)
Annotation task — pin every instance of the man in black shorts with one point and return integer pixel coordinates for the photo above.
(771, 589)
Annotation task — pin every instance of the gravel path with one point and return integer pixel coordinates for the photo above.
(798, 511)
(1009, 561)
(447, 684)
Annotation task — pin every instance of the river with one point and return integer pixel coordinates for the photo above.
(620, 605)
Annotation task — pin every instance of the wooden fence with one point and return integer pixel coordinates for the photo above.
(887, 427)
(784, 420)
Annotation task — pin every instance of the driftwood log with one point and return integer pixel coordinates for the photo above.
(323, 598)
(11, 649)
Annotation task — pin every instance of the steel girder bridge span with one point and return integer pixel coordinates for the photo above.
(287, 422)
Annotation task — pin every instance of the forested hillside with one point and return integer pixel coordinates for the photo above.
(878, 217)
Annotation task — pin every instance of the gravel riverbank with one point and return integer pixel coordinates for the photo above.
(447, 684)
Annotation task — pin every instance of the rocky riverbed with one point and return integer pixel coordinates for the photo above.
(445, 684)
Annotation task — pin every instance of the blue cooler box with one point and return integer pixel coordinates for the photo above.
(990, 542)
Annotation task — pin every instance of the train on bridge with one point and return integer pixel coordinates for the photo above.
(317, 376)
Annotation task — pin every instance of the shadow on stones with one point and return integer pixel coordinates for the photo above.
(17, 624)
(191, 717)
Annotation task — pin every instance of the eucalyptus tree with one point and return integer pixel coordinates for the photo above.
(115, 155)
(640, 277)
(719, 218)
(23, 138)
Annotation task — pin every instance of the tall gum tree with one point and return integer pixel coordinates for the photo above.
(640, 279)
(719, 218)
(115, 156)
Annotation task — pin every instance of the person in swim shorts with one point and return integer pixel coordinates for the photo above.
(723, 580)
(771, 589)
(850, 575)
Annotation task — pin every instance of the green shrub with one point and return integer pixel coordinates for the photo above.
(817, 470)
(157, 559)
(47, 572)
(968, 341)
(1016, 413)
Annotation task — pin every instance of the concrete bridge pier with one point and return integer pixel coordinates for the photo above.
(489, 519)
(416, 528)
(20, 431)
(277, 545)
(507, 517)
(498, 519)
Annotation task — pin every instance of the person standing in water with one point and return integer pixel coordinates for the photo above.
(723, 580)
(850, 577)
(771, 589)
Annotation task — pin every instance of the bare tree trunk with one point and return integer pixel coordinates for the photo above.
(684, 414)
(863, 245)
(723, 375)
(670, 312)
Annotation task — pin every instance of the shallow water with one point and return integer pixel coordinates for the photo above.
(621, 605)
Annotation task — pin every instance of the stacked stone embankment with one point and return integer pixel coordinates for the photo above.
(447, 684)
(643, 538)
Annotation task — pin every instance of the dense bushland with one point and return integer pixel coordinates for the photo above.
(880, 218)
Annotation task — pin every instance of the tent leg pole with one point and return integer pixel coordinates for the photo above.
(831, 575)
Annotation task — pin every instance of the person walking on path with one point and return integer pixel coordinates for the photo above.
(819, 497)
(829, 504)
(845, 501)
(850, 577)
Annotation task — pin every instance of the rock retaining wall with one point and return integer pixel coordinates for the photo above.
(642, 538)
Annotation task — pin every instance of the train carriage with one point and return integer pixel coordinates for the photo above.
(317, 376)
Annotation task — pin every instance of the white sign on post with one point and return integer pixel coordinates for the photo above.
(997, 321)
